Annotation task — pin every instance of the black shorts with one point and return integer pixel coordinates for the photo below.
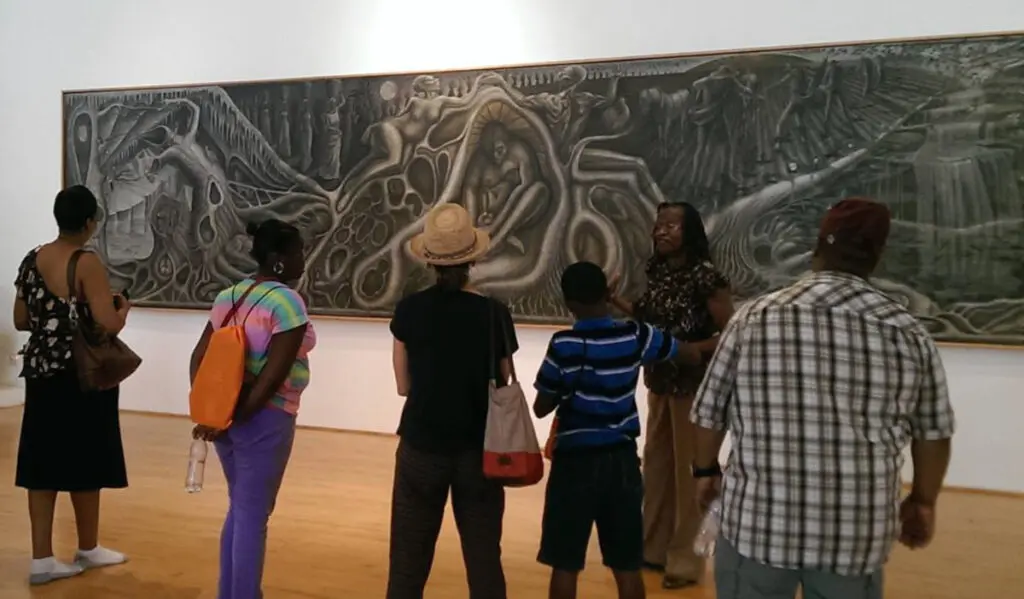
(587, 487)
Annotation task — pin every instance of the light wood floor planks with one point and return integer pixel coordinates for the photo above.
(329, 536)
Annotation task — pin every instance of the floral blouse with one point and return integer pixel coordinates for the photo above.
(676, 301)
(48, 350)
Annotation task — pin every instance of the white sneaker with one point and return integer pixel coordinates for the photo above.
(48, 569)
(99, 557)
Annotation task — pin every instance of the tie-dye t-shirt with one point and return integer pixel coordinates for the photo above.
(269, 309)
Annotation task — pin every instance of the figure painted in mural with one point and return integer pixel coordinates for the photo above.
(330, 165)
(819, 138)
(125, 197)
(305, 132)
(284, 126)
(759, 132)
(70, 438)
(668, 110)
(798, 95)
(615, 112)
(688, 297)
(502, 166)
(557, 108)
(717, 113)
(838, 119)
(393, 140)
(612, 109)
(797, 124)
(266, 121)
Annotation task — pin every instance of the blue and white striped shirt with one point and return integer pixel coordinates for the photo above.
(593, 370)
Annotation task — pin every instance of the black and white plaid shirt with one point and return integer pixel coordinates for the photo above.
(821, 385)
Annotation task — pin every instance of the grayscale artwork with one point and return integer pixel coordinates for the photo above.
(562, 163)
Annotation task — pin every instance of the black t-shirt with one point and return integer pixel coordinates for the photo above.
(455, 341)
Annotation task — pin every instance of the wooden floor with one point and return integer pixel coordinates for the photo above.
(329, 536)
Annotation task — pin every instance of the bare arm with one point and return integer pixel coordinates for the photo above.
(526, 169)
(544, 404)
(400, 363)
(721, 309)
(714, 398)
(96, 288)
(709, 444)
(550, 384)
(506, 369)
(284, 348)
(931, 459)
(199, 351)
(471, 190)
(932, 426)
(21, 319)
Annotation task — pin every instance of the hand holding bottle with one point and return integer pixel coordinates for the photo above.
(205, 433)
(707, 536)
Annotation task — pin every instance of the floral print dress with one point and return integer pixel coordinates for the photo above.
(48, 350)
(70, 438)
(676, 301)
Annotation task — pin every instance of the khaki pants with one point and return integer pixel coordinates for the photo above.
(671, 514)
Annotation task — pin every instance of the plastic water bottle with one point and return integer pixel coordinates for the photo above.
(704, 543)
(196, 466)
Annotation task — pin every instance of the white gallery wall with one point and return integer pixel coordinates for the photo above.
(47, 46)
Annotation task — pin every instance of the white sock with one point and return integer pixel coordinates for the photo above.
(50, 567)
(99, 556)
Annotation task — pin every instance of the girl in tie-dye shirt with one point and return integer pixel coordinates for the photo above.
(254, 450)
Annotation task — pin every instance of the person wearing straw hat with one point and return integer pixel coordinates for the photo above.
(449, 343)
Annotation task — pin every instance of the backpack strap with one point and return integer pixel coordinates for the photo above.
(257, 302)
(237, 305)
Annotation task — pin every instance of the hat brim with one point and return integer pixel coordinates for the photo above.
(481, 244)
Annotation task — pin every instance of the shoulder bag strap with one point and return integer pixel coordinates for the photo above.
(491, 358)
(73, 286)
(72, 271)
(506, 344)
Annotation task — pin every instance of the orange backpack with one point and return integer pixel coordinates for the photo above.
(221, 374)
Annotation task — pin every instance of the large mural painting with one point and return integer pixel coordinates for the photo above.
(562, 163)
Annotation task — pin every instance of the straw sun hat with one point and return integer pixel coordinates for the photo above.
(449, 238)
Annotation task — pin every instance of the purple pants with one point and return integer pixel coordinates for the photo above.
(254, 455)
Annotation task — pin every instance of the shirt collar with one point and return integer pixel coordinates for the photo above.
(589, 324)
(835, 275)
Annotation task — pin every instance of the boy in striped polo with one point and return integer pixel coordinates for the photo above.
(589, 376)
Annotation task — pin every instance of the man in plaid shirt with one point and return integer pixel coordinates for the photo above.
(822, 385)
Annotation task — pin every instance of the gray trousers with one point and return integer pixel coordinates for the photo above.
(737, 577)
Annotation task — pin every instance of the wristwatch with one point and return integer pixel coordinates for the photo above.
(706, 472)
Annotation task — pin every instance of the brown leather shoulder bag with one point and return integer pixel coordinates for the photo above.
(102, 360)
